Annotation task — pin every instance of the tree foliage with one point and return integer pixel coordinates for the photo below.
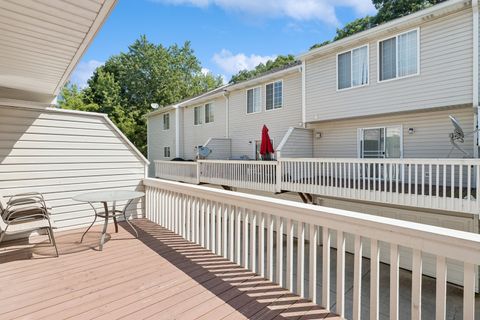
(387, 11)
(279, 62)
(128, 83)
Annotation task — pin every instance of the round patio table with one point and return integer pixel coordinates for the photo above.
(105, 197)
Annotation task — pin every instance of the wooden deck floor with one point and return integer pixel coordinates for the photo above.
(158, 276)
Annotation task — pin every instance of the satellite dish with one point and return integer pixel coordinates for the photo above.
(154, 106)
(203, 152)
(457, 136)
(458, 132)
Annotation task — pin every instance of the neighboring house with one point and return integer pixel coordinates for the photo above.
(229, 120)
(387, 92)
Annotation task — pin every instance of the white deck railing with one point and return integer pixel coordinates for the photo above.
(441, 184)
(184, 171)
(247, 229)
(256, 175)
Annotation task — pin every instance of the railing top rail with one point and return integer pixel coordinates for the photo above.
(259, 162)
(453, 244)
(191, 163)
(398, 161)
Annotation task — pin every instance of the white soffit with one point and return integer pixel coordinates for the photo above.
(41, 42)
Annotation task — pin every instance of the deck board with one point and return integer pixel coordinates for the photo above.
(158, 276)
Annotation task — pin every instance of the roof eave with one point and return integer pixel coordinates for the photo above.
(102, 16)
(435, 11)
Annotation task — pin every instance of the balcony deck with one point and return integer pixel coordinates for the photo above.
(160, 276)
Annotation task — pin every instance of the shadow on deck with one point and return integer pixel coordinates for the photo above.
(159, 276)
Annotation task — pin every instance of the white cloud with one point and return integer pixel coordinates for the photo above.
(232, 63)
(319, 10)
(84, 71)
(206, 71)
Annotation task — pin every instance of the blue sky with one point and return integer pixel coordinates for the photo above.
(227, 35)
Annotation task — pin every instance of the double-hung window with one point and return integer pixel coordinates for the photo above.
(209, 117)
(166, 121)
(352, 68)
(274, 95)
(254, 100)
(166, 152)
(399, 56)
(198, 115)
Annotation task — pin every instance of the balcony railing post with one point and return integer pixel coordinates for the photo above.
(278, 178)
(198, 171)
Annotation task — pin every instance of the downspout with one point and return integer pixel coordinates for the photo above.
(304, 106)
(475, 75)
(227, 113)
(177, 132)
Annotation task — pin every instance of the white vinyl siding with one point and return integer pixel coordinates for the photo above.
(244, 128)
(339, 138)
(158, 138)
(166, 121)
(274, 95)
(398, 56)
(209, 114)
(196, 135)
(254, 100)
(198, 115)
(62, 154)
(352, 68)
(445, 78)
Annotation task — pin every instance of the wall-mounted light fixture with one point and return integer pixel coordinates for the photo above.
(318, 134)
(411, 130)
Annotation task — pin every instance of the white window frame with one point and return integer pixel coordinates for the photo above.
(201, 116)
(273, 97)
(169, 152)
(166, 114)
(205, 112)
(396, 56)
(351, 79)
(385, 127)
(246, 100)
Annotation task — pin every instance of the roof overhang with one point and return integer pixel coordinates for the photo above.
(434, 12)
(41, 42)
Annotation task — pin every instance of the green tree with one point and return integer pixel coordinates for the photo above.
(392, 9)
(72, 98)
(128, 83)
(278, 62)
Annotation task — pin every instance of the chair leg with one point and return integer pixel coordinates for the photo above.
(2, 235)
(50, 231)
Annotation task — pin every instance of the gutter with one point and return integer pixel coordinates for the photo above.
(475, 68)
(227, 113)
(304, 90)
(177, 132)
(428, 14)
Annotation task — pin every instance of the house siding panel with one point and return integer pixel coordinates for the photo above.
(298, 144)
(445, 76)
(62, 155)
(159, 138)
(196, 135)
(430, 139)
(246, 128)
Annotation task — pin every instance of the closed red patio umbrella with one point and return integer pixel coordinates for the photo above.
(266, 147)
